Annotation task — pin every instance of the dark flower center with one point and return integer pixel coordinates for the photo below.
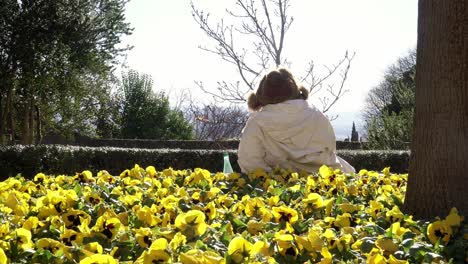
(290, 251)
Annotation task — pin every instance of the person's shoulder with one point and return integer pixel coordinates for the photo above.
(254, 117)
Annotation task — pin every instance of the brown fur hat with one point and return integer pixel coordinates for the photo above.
(276, 87)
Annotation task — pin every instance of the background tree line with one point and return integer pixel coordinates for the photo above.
(56, 64)
(389, 110)
(57, 70)
(57, 75)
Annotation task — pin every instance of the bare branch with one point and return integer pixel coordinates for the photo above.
(213, 121)
(337, 94)
(266, 22)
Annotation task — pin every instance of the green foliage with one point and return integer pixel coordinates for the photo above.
(53, 159)
(147, 115)
(389, 112)
(390, 131)
(56, 60)
(354, 134)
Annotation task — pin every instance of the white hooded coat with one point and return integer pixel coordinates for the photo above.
(292, 135)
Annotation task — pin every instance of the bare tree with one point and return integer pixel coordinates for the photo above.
(266, 23)
(214, 122)
(398, 74)
(210, 121)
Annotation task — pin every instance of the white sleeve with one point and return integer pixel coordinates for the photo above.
(251, 152)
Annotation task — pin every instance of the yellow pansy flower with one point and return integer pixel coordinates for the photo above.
(258, 173)
(331, 238)
(108, 226)
(41, 178)
(453, 219)
(147, 215)
(303, 243)
(328, 206)
(374, 257)
(151, 171)
(5, 229)
(273, 200)
(69, 236)
(191, 223)
(313, 202)
(104, 177)
(285, 214)
(261, 247)
(254, 206)
(52, 245)
(394, 215)
(143, 236)
(157, 253)
(3, 257)
(393, 260)
(210, 210)
(439, 230)
(326, 256)
(99, 259)
(177, 241)
(85, 177)
(254, 227)
(239, 249)
(397, 230)
(285, 244)
(74, 218)
(386, 245)
(386, 171)
(92, 248)
(32, 223)
(374, 209)
(352, 189)
(197, 256)
(325, 171)
(343, 220)
(344, 242)
(23, 237)
(350, 208)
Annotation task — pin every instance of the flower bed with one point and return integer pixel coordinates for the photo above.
(184, 216)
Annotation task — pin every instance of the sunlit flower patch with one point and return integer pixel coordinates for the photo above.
(183, 216)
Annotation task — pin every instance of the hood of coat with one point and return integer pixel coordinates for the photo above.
(294, 122)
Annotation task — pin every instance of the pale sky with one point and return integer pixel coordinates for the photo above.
(166, 40)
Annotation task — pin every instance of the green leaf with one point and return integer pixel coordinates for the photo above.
(429, 256)
(301, 226)
(367, 245)
(408, 235)
(78, 190)
(407, 243)
(417, 251)
(396, 200)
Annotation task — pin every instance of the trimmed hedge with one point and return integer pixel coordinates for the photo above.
(60, 159)
(171, 144)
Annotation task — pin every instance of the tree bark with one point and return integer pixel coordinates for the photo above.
(11, 123)
(25, 129)
(2, 119)
(38, 125)
(31, 121)
(5, 110)
(439, 153)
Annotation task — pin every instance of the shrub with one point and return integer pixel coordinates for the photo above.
(53, 159)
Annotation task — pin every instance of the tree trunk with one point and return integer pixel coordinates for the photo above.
(5, 111)
(38, 125)
(439, 154)
(25, 129)
(11, 123)
(2, 119)
(31, 121)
